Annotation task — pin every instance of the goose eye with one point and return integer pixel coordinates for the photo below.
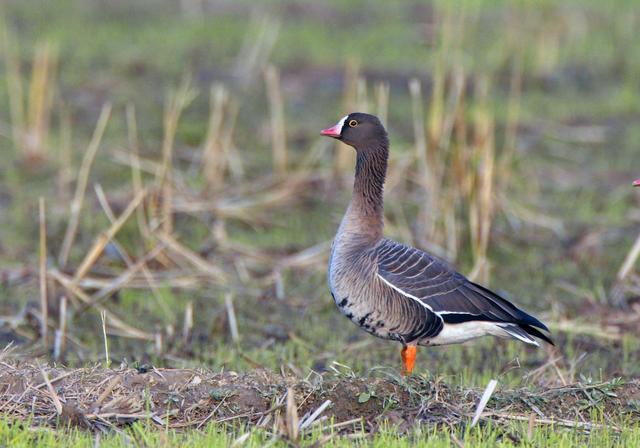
(353, 123)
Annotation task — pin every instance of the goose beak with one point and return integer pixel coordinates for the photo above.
(333, 131)
(636, 183)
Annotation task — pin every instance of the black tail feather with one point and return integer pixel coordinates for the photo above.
(537, 333)
(525, 318)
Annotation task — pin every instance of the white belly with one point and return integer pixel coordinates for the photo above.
(457, 333)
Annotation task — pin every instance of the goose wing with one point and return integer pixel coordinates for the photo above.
(439, 288)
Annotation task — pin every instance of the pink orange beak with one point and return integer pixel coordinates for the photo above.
(333, 131)
(636, 183)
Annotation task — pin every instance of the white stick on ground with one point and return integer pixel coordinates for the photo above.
(44, 306)
(483, 401)
(231, 315)
(312, 418)
(103, 317)
(59, 343)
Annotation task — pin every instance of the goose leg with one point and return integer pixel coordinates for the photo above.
(408, 358)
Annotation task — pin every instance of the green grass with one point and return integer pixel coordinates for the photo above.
(489, 435)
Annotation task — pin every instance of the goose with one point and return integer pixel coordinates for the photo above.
(397, 292)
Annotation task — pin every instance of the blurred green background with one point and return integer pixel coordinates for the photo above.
(526, 111)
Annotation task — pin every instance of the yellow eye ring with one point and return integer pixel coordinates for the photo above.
(353, 123)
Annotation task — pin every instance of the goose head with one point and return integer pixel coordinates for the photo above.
(359, 130)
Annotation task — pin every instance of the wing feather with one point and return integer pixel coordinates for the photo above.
(439, 288)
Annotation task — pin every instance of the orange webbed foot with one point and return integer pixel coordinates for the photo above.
(408, 358)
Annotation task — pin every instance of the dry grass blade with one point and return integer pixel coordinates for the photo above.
(456, 441)
(344, 160)
(65, 165)
(595, 330)
(136, 175)
(362, 97)
(481, 209)
(561, 422)
(531, 426)
(278, 131)
(233, 158)
(425, 176)
(382, 101)
(126, 329)
(173, 110)
(306, 258)
(193, 258)
(54, 380)
(483, 401)
(39, 103)
(106, 208)
(123, 279)
(81, 185)
(14, 85)
(256, 49)
(291, 422)
(103, 319)
(30, 121)
(44, 305)
(177, 278)
(104, 238)
(52, 392)
(245, 207)
(436, 117)
(107, 391)
(419, 134)
(213, 150)
(513, 116)
(132, 267)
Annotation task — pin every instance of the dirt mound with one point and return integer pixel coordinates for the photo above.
(98, 398)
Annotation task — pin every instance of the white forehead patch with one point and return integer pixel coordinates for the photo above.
(341, 123)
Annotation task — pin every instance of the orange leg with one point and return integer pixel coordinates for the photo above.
(408, 358)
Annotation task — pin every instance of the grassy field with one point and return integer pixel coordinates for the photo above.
(166, 202)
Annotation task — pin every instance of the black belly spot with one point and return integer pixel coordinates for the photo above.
(344, 302)
(349, 315)
(362, 321)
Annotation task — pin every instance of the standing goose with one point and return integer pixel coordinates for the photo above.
(398, 292)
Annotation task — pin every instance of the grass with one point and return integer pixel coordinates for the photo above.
(514, 434)
(244, 210)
